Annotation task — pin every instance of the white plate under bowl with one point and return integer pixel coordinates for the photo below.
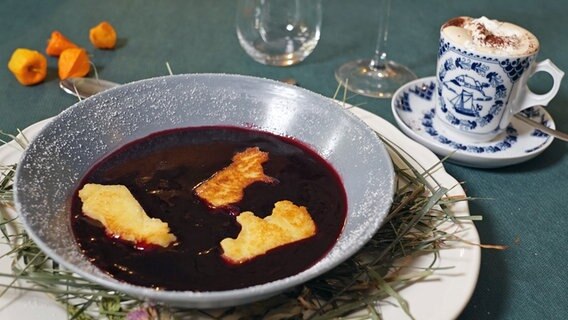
(413, 107)
(442, 297)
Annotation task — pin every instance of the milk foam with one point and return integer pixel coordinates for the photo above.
(488, 36)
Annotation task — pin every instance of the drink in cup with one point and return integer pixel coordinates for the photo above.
(482, 73)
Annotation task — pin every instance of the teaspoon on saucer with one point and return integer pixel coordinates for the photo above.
(555, 133)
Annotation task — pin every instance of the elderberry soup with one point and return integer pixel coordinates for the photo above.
(162, 172)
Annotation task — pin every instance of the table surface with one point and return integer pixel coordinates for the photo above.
(522, 205)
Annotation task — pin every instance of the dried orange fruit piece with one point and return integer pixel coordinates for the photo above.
(73, 62)
(57, 43)
(28, 66)
(103, 36)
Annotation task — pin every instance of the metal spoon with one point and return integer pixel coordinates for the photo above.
(86, 87)
(555, 133)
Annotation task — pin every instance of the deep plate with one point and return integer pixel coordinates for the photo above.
(413, 108)
(64, 151)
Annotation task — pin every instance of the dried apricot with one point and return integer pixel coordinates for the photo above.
(28, 66)
(103, 36)
(73, 62)
(57, 43)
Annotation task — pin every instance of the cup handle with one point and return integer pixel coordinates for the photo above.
(531, 99)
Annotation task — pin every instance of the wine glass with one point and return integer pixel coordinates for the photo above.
(278, 32)
(378, 76)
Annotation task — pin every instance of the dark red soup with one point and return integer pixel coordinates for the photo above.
(161, 172)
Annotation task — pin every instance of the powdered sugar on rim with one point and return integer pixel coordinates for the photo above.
(69, 145)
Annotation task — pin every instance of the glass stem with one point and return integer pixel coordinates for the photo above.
(379, 59)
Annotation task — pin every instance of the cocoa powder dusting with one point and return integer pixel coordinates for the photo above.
(487, 38)
(455, 22)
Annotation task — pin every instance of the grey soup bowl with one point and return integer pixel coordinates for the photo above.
(55, 162)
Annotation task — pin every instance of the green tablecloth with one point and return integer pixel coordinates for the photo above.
(523, 205)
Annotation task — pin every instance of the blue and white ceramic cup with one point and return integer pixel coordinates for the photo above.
(480, 88)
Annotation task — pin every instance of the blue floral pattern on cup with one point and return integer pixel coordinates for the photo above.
(477, 87)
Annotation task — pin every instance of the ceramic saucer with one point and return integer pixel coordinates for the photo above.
(413, 108)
